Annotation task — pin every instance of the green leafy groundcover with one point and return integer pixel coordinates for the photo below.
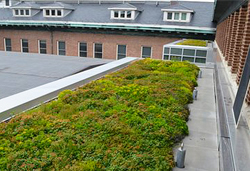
(129, 120)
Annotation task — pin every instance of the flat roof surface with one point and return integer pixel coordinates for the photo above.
(23, 71)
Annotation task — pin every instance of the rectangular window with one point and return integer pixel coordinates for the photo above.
(21, 12)
(42, 46)
(129, 14)
(176, 16)
(61, 48)
(47, 12)
(175, 58)
(122, 14)
(116, 14)
(59, 13)
(202, 53)
(121, 51)
(98, 50)
(25, 45)
(146, 52)
(53, 12)
(176, 51)
(170, 14)
(190, 59)
(184, 16)
(166, 50)
(7, 43)
(82, 49)
(16, 12)
(189, 52)
(27, 12)
(7, 2)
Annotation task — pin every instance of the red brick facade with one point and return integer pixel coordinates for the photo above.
(233, 39)
(109, 42)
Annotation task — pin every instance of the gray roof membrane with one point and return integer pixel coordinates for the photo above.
(124, 6)
(177, 7)
(99, 13)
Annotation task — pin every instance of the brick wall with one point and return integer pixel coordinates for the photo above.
(233, 39)
(109, 41)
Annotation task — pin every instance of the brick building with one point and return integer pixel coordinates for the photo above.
(233, 35)
(102, 29)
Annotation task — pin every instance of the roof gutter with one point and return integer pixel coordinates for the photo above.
(120, 26)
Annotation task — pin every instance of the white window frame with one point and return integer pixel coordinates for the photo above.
(21, 40)
(10, 3)
(5, 48)
(58, 47)
(125, 15)
(79, 52)
(39, 50)
(94, 50)
(165, 16)
(50, 12)
(117, 50)
(150, 53)
(19, 12)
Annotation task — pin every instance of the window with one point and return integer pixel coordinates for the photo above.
(7, 43)
(176, 51)
(61, 48)
(21, 12)
(146, 52)
(170, 14)
(42, 47)
(25, 45)
(184, 16)
(189, 52)
(202, 53)
(121, 51)
(122, 14)
(82, 49)
(176, 16)
(53, 12)
(7, 3)
(98, 50)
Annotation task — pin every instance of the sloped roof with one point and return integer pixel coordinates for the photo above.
(124, 6)
(177, 7)
(58, 5)
(26, 5)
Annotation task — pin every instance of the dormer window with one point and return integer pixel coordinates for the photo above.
(53, 12)
(21, 13)
(124, 11)
(177, 13)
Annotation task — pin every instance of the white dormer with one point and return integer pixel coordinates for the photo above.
(5, 3)
(177, 13)
(57, 9)
(124, 11)
(25, 9)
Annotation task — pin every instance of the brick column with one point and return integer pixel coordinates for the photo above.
(228, 36)
(241, 19)
(233, 38)
(224, 40)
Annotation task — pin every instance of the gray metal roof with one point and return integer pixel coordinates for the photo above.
(99, 13)
(177, 7)
(26, 5)
(124, 6)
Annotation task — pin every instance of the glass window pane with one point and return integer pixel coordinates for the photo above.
(189, 52)
(146, 52)
(183, 16)
(166, 50)
(53, 12)
(166, 57)
(190, 59)
(7, 2)
(83, 46)
(98, 55)
(116, 14)
(42, 43)
(83, 54)
(43, 51)
(98, 47)
(121, 51)
(176, 16)
(122, 14)
(61, 45)
(59, 13)
(7, 44)
(120, 56)
(27, 12)
(176, 51)
(170, 14)
(21, 12)
(129, 14)
(175, 58)
(200, 60)
(25, 45)
(16, 12)
(202, 53)
(47, 12)
(61, 48)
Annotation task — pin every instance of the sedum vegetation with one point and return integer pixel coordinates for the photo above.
(193, 42)
(128, 120)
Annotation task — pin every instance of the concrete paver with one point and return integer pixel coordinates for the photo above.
(201, 144)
